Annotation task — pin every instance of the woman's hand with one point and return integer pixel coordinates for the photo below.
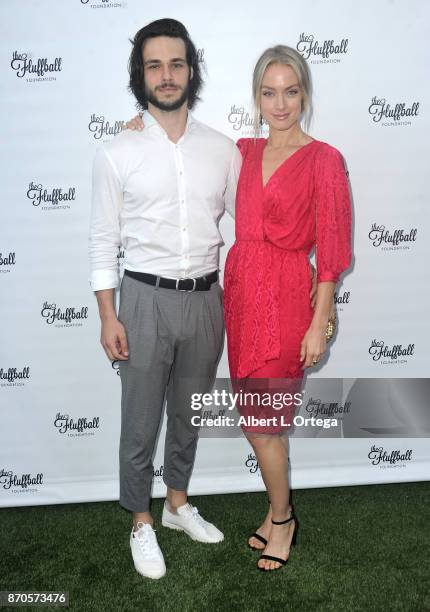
(313, 346)
(136, 123)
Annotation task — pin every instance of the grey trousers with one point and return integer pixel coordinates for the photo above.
(175, 341)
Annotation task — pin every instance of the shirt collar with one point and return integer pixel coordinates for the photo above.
(151, 121)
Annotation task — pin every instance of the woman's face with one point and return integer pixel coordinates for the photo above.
(281, 97)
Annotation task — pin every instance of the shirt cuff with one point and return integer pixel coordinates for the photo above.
(104, 279)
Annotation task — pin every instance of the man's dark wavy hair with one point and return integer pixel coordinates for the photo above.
(162, 27)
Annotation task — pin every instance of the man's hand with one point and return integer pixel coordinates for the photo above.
(313, 293)
(113, 337)
(114, 340)
(136, 123)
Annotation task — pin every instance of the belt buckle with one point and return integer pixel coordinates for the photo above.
(188, 290)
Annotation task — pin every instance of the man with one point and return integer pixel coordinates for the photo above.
(160, 193)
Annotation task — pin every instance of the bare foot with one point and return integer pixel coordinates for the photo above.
(278, 545)
(263, 530)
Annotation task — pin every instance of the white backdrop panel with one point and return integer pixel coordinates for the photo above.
(52, 125)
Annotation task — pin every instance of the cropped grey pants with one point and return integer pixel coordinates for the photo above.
(175, 340)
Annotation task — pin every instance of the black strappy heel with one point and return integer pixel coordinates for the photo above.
(293, 543)
(258, 537)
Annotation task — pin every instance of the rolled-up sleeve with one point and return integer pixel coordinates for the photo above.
(333, 217)
(105, 230)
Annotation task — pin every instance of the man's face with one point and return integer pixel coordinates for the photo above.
(166, 71)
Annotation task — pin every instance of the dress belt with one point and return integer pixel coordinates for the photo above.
(203, 283)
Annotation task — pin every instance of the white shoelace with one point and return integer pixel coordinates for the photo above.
(145, 536)
(196, 516)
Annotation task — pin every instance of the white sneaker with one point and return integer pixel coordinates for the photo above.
(147, 556)
(189, 520)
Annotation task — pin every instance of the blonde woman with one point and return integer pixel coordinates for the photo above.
(292, 195)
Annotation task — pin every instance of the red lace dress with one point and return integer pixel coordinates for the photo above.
(267, 279)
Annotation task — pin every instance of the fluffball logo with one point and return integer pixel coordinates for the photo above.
(121, 258)
(341, 300)
(82, 426)
(240, 118)
(157, 474)
(396, 240)
(104, 4)
(13, 377)
(66, 317)
(50, 199)
(316, 407)
(395, 114)
(384, 354)
(100, 127)
(25, 66)
(389, 459)
(115, 366)
(321, 52)
(252, 464)
(23, 483)
(7, 260)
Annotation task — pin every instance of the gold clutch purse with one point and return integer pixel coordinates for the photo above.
(331, 325)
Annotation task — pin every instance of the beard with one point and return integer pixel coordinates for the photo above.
(170, 105)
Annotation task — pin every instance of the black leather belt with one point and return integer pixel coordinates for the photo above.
(203, 283)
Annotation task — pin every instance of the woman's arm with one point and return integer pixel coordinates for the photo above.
(333, 246)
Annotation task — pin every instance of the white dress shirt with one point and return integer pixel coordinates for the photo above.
(161, 201)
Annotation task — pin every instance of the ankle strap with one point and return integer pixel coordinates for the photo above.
(283, 522)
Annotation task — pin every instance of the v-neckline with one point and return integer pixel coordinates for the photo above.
(281, 165)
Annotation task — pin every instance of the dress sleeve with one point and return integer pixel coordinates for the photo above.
(333, 217)
(242, 145)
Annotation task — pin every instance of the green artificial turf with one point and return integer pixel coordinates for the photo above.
(358, 548)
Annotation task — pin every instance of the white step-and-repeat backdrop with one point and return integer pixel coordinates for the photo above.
(64, 79)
